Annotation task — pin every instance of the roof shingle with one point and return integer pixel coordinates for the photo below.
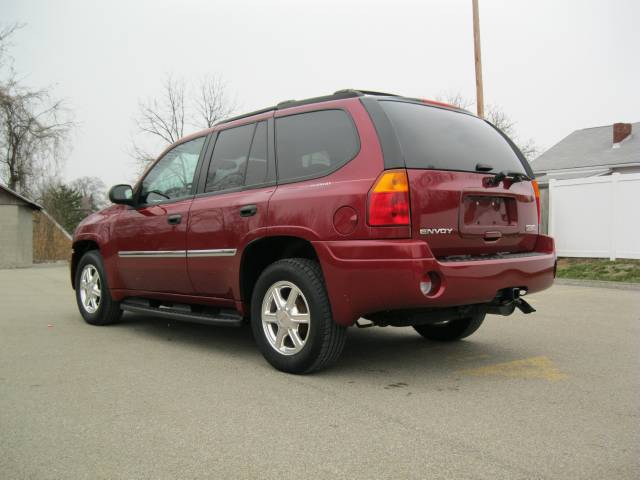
(590, 147)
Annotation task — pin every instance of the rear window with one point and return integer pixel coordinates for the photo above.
(439, 139)
(314, 144)
(229, 158)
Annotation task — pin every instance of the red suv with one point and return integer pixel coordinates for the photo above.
(312, 216)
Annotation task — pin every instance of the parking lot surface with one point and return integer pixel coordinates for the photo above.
(554, 394)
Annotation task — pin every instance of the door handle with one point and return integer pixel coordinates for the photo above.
(174, 219)
(248, 210)
(492, 236)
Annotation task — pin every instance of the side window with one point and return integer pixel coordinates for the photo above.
(172, 177)
(257, 166)
(314, 144)
(229, 160)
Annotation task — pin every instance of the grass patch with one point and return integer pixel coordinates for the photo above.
(623, 270)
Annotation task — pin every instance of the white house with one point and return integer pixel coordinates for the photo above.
(591, 152)
(589, 187)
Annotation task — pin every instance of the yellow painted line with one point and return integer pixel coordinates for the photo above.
(469, 358)
(541, 368)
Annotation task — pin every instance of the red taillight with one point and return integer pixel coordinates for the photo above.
(389, 200)
(536, 191)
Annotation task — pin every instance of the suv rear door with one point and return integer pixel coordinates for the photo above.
(451, 159)
(230, 209)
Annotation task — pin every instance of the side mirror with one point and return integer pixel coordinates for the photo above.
(121, 194)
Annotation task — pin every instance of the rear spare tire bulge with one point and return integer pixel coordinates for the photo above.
(452, 330)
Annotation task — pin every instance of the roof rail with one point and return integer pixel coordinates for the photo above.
(368, 92)
(245, 115)
(338, 95)
(296, 103)
(285, 102)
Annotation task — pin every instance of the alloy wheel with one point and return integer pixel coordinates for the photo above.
(286, 318)
(90, 288)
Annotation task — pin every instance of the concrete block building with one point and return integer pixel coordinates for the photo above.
(16, 229)
(28, 233)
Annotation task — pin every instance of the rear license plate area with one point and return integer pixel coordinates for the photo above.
(482, 213)
(489, 211)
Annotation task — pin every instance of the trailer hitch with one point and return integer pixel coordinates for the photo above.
(508, 300)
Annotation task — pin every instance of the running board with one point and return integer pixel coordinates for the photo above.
(185, 313)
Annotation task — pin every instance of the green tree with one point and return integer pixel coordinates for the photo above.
(64, 204)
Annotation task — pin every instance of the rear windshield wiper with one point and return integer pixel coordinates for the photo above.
(514, 177)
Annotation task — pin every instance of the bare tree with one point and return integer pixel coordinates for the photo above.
(500, 119)
(93, 191)
(456, 99)
(33, 129)
(529, 148)
(164, 118)
(496, 116)
(503, 122)
(162, 121)
(33, 126)
(213, 102)
(6, 33)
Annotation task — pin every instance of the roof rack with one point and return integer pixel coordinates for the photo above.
(368, 92)
(338, 95)
(245, 115)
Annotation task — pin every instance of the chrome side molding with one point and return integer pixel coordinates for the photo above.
(216, 252)
(153, 254)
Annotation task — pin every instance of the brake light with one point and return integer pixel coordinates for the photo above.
(536, 190)
(389, 200)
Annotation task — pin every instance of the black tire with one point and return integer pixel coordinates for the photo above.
(452, 330)
(107, 311)
(324, 338)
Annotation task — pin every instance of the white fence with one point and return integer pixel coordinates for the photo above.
(596, 216)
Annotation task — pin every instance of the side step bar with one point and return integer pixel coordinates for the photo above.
(186, 313)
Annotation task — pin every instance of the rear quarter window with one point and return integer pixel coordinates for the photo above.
(314, 144)
(440, 139)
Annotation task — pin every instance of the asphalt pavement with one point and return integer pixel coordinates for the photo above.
(554, 394)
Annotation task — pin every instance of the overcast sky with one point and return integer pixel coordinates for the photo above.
(553, 66)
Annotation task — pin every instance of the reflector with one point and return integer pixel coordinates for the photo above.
(536, 191)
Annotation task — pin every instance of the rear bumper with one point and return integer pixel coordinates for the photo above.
(367, 276)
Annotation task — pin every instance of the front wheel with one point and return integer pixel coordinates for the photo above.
(291, 317)
(451, 330)
(92, 292)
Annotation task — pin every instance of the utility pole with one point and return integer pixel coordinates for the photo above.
(476, 43)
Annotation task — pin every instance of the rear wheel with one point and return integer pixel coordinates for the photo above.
(92, 292)
(451, 330)
(291, 317)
